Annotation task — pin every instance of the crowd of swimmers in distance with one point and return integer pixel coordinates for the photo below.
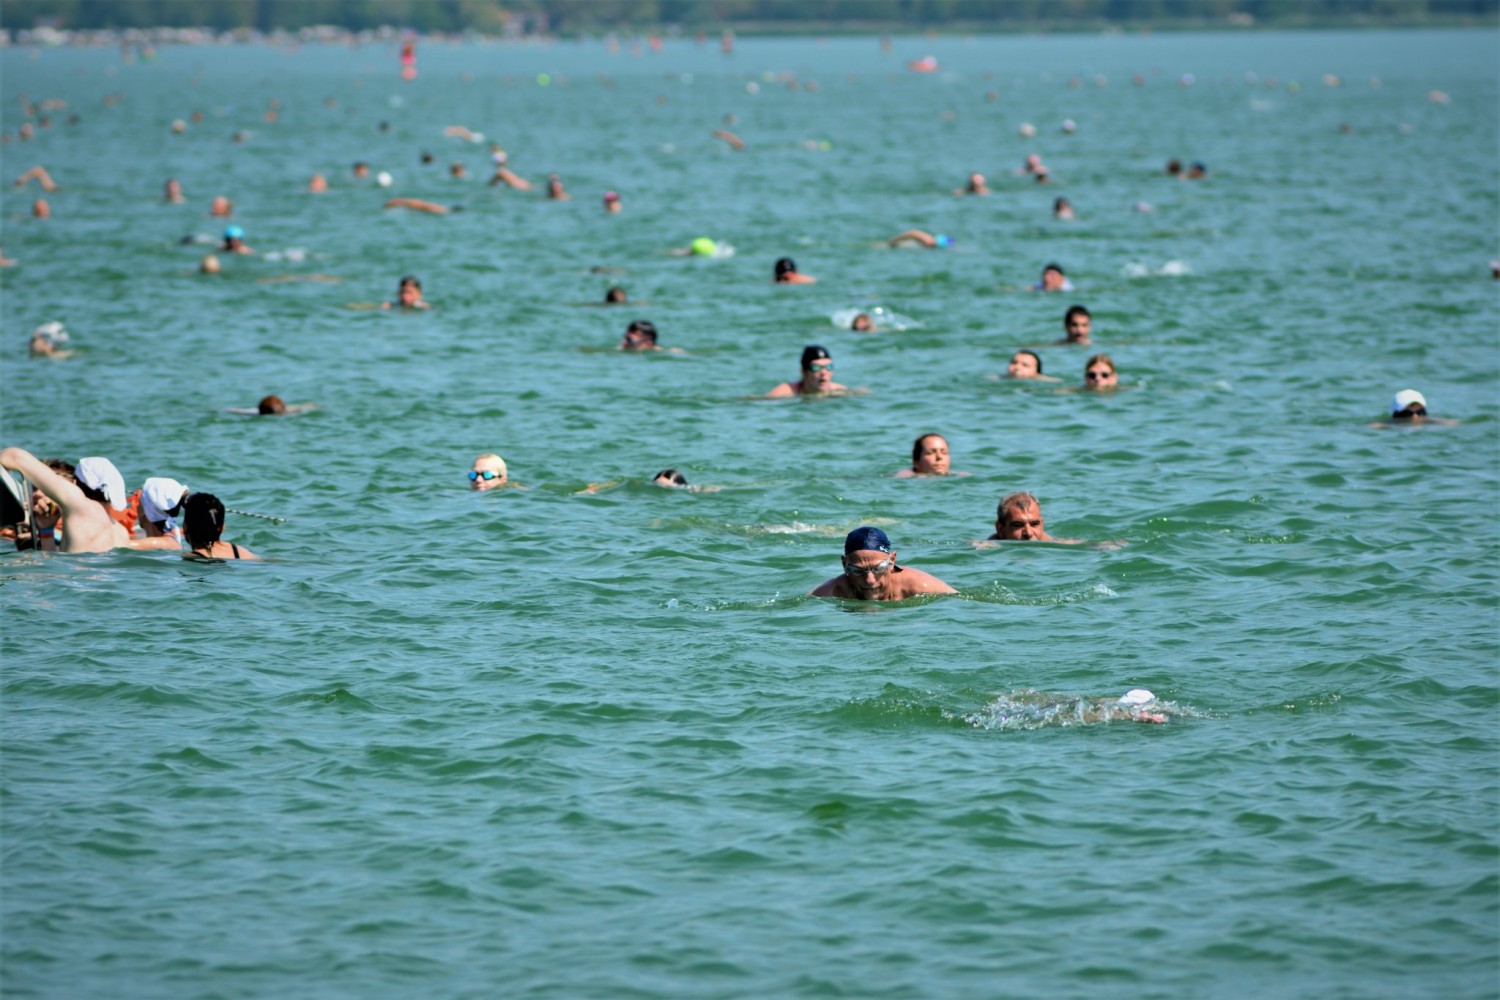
(90, 498)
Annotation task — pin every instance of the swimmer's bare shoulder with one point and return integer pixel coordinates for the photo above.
(911, 582)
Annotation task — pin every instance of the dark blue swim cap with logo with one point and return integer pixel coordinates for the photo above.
(814, 352)
(868, 539)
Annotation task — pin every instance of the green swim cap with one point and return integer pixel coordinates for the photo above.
(703, 247)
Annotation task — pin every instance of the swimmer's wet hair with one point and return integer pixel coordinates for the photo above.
(1076, 311)
(786, 266)
(1054, 266)
(615, 294)
(672, 476)
(1023, 500)
(408, 279)
(814, 352)
(916, 446)
(271, 405)
(1101, 359)
(643, 326)
(202, 519)
(1033, 355)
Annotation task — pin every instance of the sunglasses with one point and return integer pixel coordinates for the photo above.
(879, 569)
(1418, 411)
(486, 475)
(1099, 376)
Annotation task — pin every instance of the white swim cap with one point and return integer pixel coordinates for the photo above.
(100, 474)
(384, 179)
(1136, 696)
(158, 496)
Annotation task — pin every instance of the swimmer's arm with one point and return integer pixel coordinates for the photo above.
(781, 391)
(67, 496)
(157, 542)
(833, 587)
(924, 583)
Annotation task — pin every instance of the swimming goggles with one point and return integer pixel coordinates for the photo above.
(487, 475)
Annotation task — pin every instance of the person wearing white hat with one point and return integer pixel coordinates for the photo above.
(86, 506)
(161, 505)
(1408, 408)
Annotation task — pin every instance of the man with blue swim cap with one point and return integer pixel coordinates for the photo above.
(234, 241)
(871, 574)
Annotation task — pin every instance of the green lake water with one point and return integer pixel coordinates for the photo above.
(549, 743)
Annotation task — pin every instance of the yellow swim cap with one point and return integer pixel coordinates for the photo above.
(704, 247)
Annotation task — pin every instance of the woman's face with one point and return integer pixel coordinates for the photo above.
(1100, 375)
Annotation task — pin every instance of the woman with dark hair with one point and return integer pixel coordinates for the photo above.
(203, 523)
(786, 273)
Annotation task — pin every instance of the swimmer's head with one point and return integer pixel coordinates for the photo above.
(616, 296)
(814, 352)
(488, 472)
(1077, 321)
(703, 247)
(942, 240)
(233, 233)
(1408, 404)
(1053, 277)
(611, 201)
(862, 323)
(1024, 364)
(785, 266)
(384, 179)
(640, 335)
(202, 519)
(929, 455)
(669, 477)
(270, 406)
(209, 264)
(866, 539)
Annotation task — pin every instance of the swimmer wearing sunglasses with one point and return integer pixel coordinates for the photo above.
(489, 473)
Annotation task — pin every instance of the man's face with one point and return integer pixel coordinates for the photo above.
(868, 572)
(1021, 523)
(486, 467)
(932, 459)
(409, 295)
(1078, 326)
(636, 340)
(1022, 365)
(1052, 280)
(818, 375)
(1414, 413)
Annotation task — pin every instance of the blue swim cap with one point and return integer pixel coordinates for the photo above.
(234, 233)
(867, 538)
(943, 240)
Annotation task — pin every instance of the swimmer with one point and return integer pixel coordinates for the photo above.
(1077, 323)
(918, 237)
(408, 295)
(786, 273)
(202, 524)
(1053, 279)
(317, 185)
(40, 175)
(234, 241)
(1062, 210)
(418, 205)
(85, 504)
(1409, 409)
(612, 203)
(872, 574)
(976, 186)
(221, 207)
(1034, 709)
(1027, 365)
(1197, 171)
(640, 335)
(1100, 374)
(458, 171)
(701, 247)
(6, 261)
(1033, 165)
(47, 340)
(817, 376)
(862, 323)
(460, 132)
(489, 473)
(209, 264)
(929, 457)
(555, 190)
(616, 296)
(172, 191)
(504, 175)
(161, 503)
(272, 406)
(670, 478)
(1174, 168)
(730, 139)
(40, 209)
(361, 170)
(1018, 518)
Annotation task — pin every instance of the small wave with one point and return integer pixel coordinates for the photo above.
(1171, 269)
